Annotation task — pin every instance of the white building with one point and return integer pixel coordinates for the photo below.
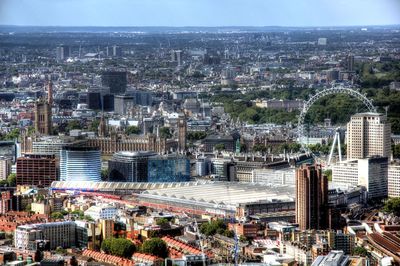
(5, 167)
(105, 212)
(372, 173)
(368, 134)
(58, 234)
(345, 173)
(394, 180)
(297, 251)
(274, 177)
(334, 257)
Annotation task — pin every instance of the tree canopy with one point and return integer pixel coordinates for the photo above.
(155, 246)
(12, 180)
(165, 132)
(392, 206)
(118, 247)
(132, 130)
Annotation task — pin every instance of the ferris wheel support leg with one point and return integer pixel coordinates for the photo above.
(339, 148)
(332, 149)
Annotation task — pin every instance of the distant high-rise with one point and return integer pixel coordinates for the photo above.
(350, 63)
(322, 41)
(117, 51)
(311, 197)
(368, 134)
(123, 104)
(63, 52)
(176, 56)
(115, 80)
(43, 119)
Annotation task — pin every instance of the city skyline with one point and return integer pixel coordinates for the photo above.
(180, 13)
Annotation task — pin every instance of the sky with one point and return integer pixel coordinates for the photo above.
(199, 12)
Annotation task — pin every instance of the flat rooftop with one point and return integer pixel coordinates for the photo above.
(224, 193)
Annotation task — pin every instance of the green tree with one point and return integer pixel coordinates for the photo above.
(220, 146)
(228, 233)
(28, 207)
(162, 222)
(12, 180)
(196, 135)
(360, 251)
(132, 130)
(57, 215)
(104, 174)
(328, 174)
(213, 227)
(12, 135)
(396, 151)
(392, 206)
(120, 247)
(94, 126)
(260, 148)
(73, 124)
(165, 132)
(155, 246)
(61, 251)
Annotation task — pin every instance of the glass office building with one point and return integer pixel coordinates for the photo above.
(128, 166)
(146, 166)
(80, 164)
(168, 169)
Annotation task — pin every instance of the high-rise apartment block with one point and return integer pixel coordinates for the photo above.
(311, 197)
(63, 52)
(368, 134)
(5, 167)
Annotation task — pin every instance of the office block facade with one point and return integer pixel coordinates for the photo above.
(368, 134)
(80, 163)
(36, 170)
(311, 197)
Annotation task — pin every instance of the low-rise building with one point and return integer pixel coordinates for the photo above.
(103, 211)
(58, 234)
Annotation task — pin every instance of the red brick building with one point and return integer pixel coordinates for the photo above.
(36, 170)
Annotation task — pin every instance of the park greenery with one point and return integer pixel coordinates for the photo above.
(196, 135)
(118, 247)
(360, 251)
(155, 246)
(10, 181)
(132, 130)
(162, 222)
(338, 107)
(220, 146)
(216, 227)
(11, 136)
(165, 132)
(392, 206)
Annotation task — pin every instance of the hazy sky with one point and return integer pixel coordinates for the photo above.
(199, 12)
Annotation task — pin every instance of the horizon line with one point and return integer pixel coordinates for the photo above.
(198, 26)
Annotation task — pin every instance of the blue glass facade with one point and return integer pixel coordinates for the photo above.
(80, 164)
(168, 169)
